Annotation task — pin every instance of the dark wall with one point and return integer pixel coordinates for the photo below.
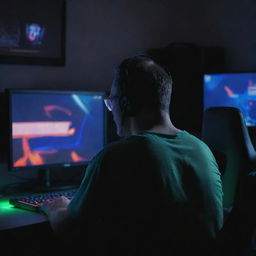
(102, 33)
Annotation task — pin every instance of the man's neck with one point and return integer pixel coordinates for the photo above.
(158, 122)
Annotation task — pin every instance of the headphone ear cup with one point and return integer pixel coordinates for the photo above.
(129, 109)
(126, 106)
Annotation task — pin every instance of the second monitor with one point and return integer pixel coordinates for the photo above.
(232, 90)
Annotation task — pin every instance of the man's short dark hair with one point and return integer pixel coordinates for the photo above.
(146, 84)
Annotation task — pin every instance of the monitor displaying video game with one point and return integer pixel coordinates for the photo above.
(233, 90)
(55, 128)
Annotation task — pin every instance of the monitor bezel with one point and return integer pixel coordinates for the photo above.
(9, 93)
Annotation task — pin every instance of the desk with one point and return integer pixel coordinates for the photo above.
(12, 217)
(25, 232)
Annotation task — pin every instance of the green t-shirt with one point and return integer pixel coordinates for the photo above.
(151, 187)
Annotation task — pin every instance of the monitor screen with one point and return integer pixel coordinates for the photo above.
(55, 128)
(232, 90)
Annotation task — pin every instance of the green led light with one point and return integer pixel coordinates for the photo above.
(5, 205)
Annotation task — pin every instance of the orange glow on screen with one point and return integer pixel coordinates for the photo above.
(28, 130)
(41, 129)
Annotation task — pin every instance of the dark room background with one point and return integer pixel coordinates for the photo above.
(99, 34)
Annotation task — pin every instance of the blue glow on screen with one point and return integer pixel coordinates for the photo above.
(56, 128)
(232, 90)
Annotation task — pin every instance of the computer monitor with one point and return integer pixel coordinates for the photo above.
(234, 90)
(54, 128)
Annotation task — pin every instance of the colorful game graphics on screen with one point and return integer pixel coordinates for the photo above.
(35, 33)
(21, 37)
(32, 32)
(11, 36)
(234, 90)
(56, 128)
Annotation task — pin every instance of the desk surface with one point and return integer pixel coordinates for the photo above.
(12, 217)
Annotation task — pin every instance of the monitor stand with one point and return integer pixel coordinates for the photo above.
(43, 184)
(44, 178)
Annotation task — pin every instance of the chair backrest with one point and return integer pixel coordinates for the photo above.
(225, 132)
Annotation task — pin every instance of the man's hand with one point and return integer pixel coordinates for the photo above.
(56, 210)
(53, 205)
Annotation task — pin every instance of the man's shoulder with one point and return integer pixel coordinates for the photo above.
(123, 148)
(194, 139)
(197, 148)
(146, 139)
(124, 144)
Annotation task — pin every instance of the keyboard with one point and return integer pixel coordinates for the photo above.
(32, 202)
